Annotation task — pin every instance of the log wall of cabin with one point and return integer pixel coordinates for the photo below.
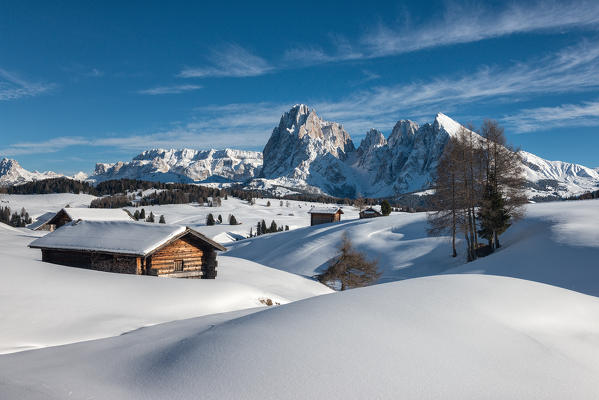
(198, 259)
(317, 219)
(91, 260)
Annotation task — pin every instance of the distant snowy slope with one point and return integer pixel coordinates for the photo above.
(559, 178)
(38, 204)
(450, 337)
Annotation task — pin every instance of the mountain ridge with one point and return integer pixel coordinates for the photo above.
(309, 154)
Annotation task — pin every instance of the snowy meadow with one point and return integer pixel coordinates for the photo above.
(520, 323)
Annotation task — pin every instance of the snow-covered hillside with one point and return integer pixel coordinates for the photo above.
(465, 333)
(453, 337)
(184, 165)
(45, 304)
(555, 243)
(38, 204)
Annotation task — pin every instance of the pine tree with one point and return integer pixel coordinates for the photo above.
(268, 203)
(162, 220)
(210, 220)
(251, 232)
(232, 220)
(142, 214)
(220, 219)
(263, 227)
(258, 229)
(150, 217)
(136, 215)
(273, 227)
(385, 207)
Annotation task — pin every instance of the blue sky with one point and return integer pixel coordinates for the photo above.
(86, 82)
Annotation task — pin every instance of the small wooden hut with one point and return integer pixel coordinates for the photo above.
(70, 214)
(370, 213)
(324, 215)
(132, 248)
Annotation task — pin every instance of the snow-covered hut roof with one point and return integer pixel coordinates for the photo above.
(41, 220)
(97, 214)
(134, 238)
(325, 210)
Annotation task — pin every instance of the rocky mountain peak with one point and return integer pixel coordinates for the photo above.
(403, 133)
(374, 138)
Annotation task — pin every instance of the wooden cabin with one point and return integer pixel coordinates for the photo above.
(41, 222)
(70, 214)
(324, 215)
(370, 213)
(132, 248)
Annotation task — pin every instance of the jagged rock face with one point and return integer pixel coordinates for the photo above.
(185, 165)
(300, 139)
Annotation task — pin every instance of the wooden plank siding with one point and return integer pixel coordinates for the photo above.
(317, 219)
(198, 259)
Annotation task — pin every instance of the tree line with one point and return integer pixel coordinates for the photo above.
(16, 219)
(479, 189)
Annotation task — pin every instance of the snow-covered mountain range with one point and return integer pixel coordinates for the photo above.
(307, 153)
(11, 173)
(185, 165)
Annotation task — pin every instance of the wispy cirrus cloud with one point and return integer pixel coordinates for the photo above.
(573, 69)
(231, 60)
(175, 89)
(543, 118)
(457, 25)
(13, 87)
(47, 146)
(248, 125)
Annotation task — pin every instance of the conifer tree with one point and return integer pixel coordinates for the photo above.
(210, 220)
(136, 215)
(263, 227)
(385, 207)
(150, 217)
(142, 214)
(162, 220)
(273, 227)
(232, 220)
(220, 219)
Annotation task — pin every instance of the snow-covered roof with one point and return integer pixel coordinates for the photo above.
(136, 238)
(41, 220)
(97, 214)
(325, 210)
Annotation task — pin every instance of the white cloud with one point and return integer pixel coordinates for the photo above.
(458, 24)
(230, 61)
(13, 87)
(170, 89)
(544, 118)
(46, 146)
